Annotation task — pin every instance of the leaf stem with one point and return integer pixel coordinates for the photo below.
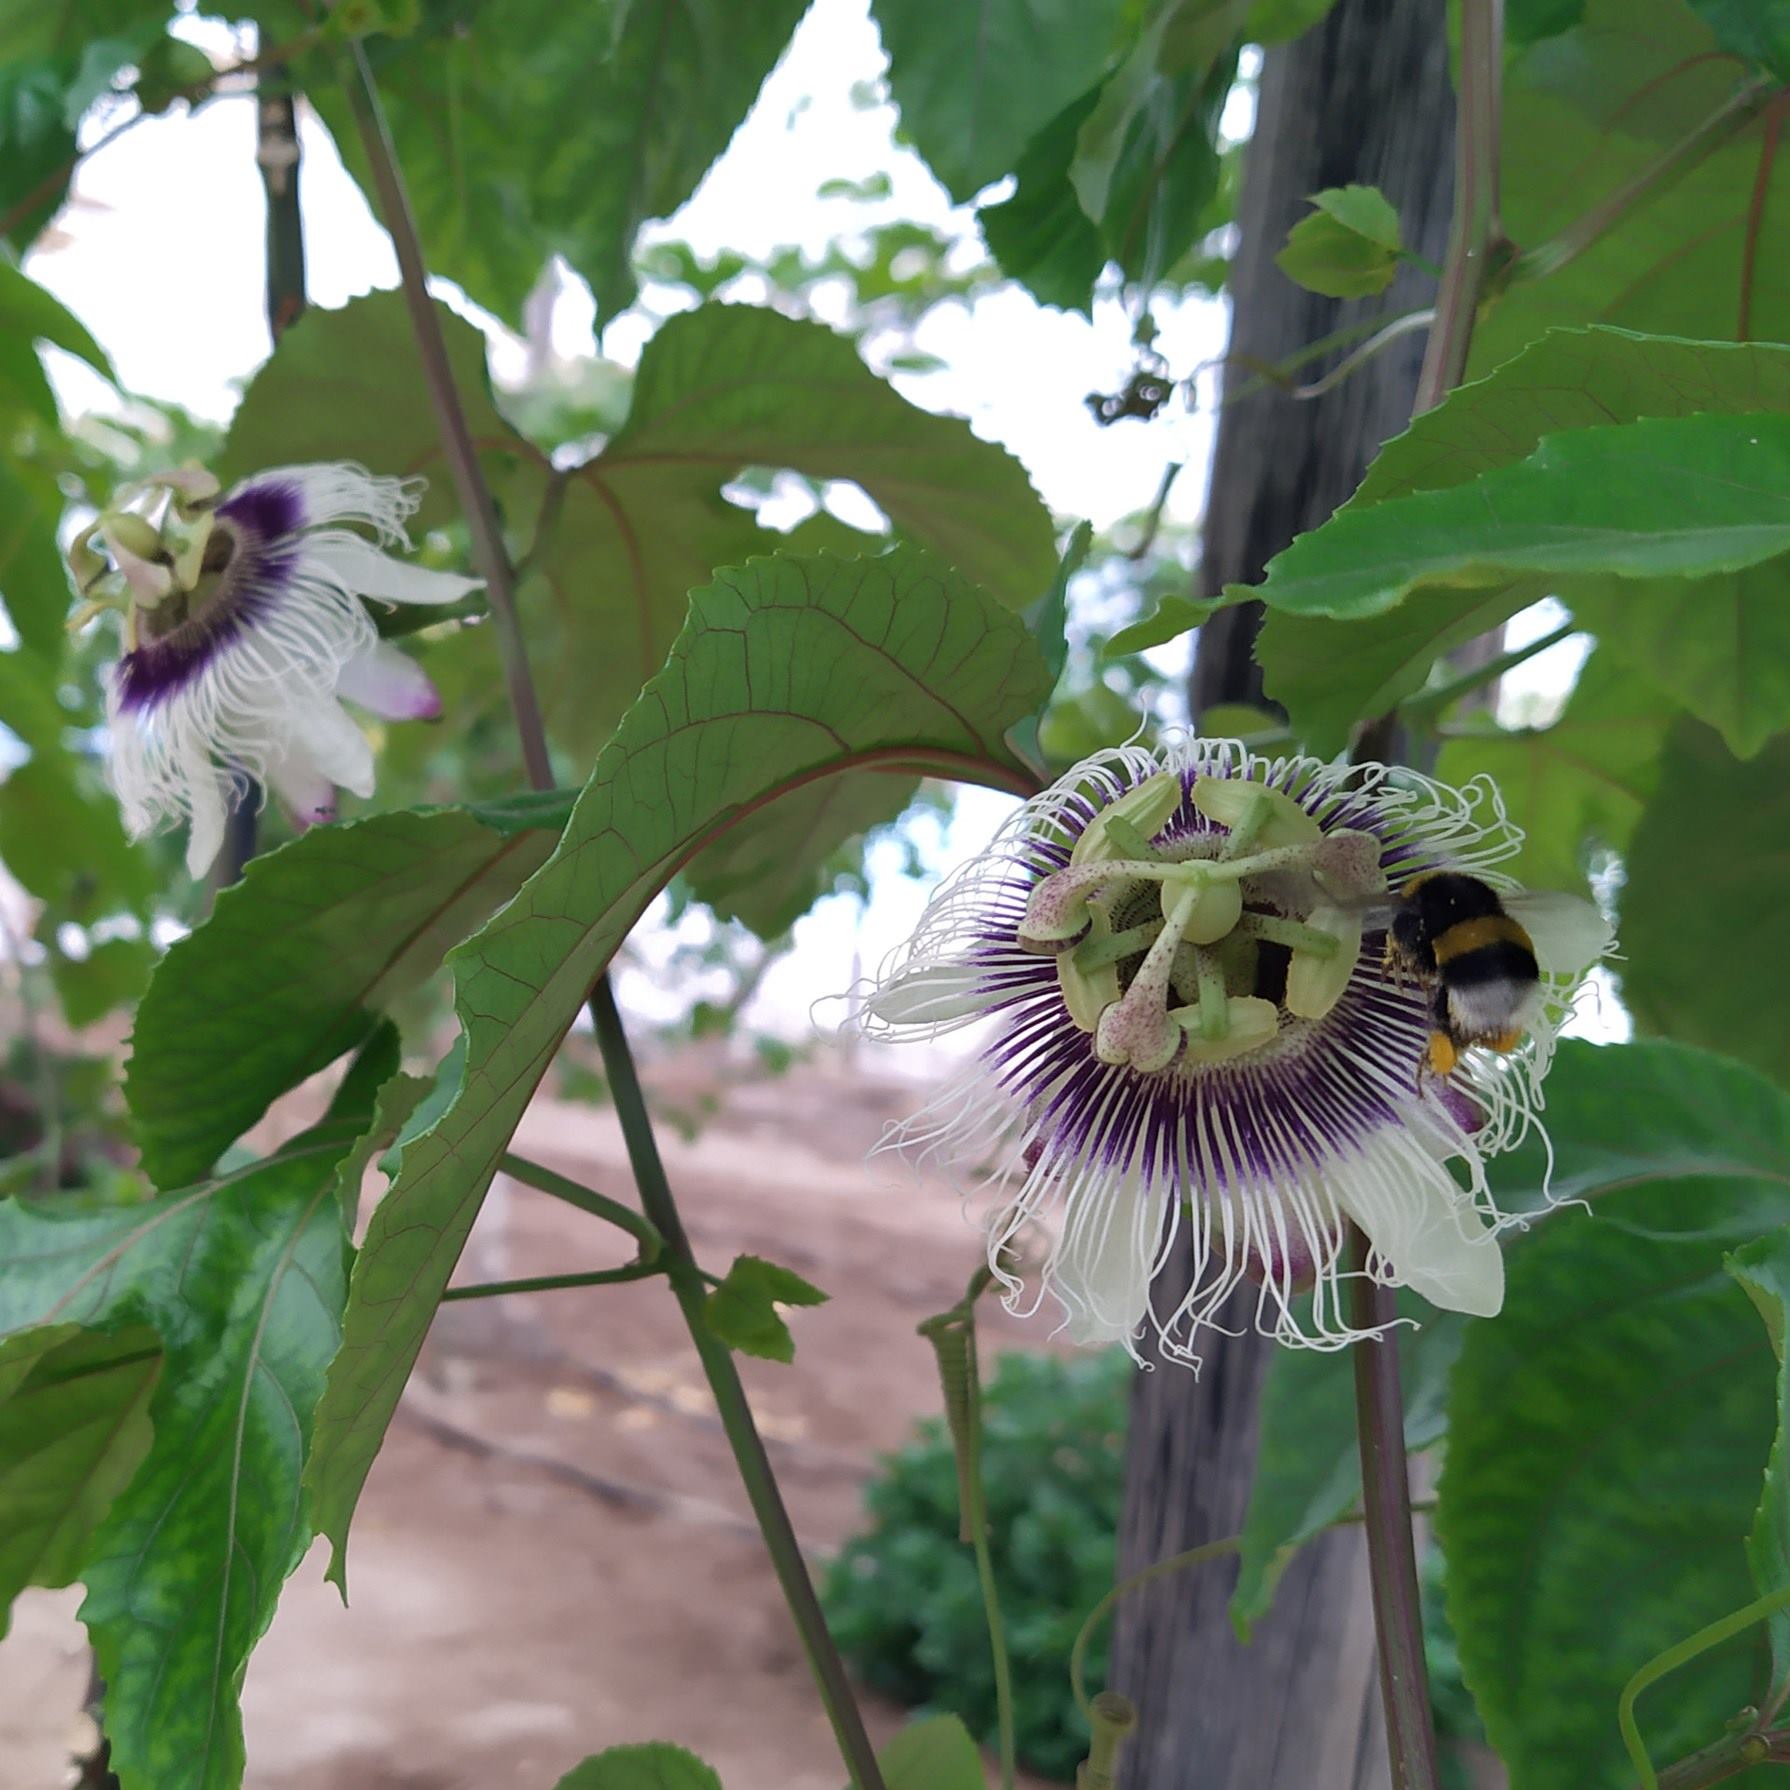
(598, 1205)
(1728, 120)
(1476, 231)
(553, 1283)
(718, 1366)
(1391, 1555)
(1429, 705)
(488, 551)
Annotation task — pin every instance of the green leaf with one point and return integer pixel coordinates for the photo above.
(33, 585)
(935, 1754)
(742, 1310)
(1757, 31)
(349, 385)
(30, 313)
(1763, 1270)
(1041, 236)
(1719, 646)
(770, 868)
(788, 670)
(975, 83)
(61, 836)
(37, 144)
(1308, 1468)
(243, 1282)
(1699, 932)
(1348, 247)
(656, 1766)
(113, 973)
(1693, 1129)
(1684, 497)
(1047, 620)
(74, 1427)
(298, 960)
(527, 129)
(1174, 617)
(1329, 674)
(1577, 785)
(1607, 1429)
(1588, 111)
(1280, 21)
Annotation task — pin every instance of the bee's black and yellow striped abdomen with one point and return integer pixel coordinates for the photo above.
(1452, 931)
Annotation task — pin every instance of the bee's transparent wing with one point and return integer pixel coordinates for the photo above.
(1568, 932)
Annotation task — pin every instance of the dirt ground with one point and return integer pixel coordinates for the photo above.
(553, 1554)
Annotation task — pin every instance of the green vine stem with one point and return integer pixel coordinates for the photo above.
(690, 1288)
(1430, 705)
(688, 1282)
(1723, 1758)
(598, 1205)
(953, 1337)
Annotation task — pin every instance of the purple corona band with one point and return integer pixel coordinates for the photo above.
(263, 520)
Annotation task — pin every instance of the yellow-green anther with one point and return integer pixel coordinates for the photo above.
(1214, 1002)
(1250, 1021)
(121, 528)
(1128, 841)
(1087, 992)
(1253, 819)
(1232, 800)
(1317, 979)
(1147, 808)
(189, 562)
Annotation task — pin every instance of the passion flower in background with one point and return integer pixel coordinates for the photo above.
(245, 628)
(1214, 1038)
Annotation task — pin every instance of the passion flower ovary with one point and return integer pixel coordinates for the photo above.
(1195, 942)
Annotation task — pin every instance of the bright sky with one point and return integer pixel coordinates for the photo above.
(189, 327)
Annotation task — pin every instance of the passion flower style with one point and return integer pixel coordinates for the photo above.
(245, 627)
(1203, 1044)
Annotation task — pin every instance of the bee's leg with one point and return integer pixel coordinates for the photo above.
(1443, 1056)
(1506, 1042)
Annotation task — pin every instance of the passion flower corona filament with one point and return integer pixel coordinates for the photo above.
(1203, 1047)
(245, 626)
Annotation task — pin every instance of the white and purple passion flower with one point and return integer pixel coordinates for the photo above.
(245, 628)
(1203, 1046)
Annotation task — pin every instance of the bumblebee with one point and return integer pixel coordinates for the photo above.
(1452, 934)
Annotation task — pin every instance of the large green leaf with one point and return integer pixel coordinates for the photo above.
(1577, 786)
(1701, 929)
(29, 313)
(1719, 646)
(975, 82)
(1763, 1268)
(531, 129)
(1328, 674)
(298, 960)
(767, 871)
(1588, 111)
(33, 585)
(1040, 235)
(1679, 497)
(655, 1766)
(74, 1427)
(1708, 1127)
(1607, 1431)
(1758, 30)
(787, 670)
(243, 1281)
(349, 385)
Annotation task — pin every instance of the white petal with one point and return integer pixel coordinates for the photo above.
(1424, 1227)
(1103, 1266)
(1568, 932)
(932, 996)
(337, 748)
(389, 682)
(361, 567)
(206, 791)
(304, 792)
